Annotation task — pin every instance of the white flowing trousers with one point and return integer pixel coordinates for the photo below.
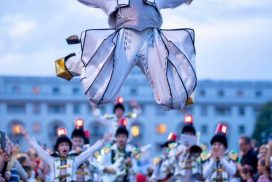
(166, 57)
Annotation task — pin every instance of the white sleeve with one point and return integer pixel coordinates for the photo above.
(74, 65)
(229, 166)
(208, 168)
(20, 170)
(84, 156)
(163, 4)
(106, 5)
(40, 151)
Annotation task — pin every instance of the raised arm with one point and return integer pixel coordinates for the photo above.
(84, 156)
(163, 4)
(40, 151)
(107, 6)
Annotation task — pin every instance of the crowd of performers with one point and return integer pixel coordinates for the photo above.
(113, 159)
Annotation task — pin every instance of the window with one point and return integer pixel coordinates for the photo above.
(239, 93)
(55, 90)
(241, 111)
(241, 129)
(16, 89)
(133, 91)
(202, 93)
(203, 111)
(161, 128)
(76, 108)
(97, 130)
(220, 93)
(36, 127)
(222, 110)
(16, 108)
(76, 91)
(256, 110)
(15, 132)
(56, 108)
(36, 90)
(137, 131)
(36, 108)
(204, 129)
(258, 93)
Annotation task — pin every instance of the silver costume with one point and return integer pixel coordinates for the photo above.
(166, 57)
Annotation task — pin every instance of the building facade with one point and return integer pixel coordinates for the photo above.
(42, 104)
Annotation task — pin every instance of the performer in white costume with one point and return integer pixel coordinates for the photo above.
(118, 163)
(166, 57)
(219, 165)
(63, 167)
(186, 156)
(163, 166)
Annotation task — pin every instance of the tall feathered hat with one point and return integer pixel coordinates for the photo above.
(188, 125)
(79, 129)
(119, 104)
(62, 137)
(220, 135)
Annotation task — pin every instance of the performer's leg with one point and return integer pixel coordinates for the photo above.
(107, 83)
(166, 74)
(154, 65)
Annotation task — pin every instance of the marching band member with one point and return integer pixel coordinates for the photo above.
(118, 164)
(163, 168)
(85, 171)
(62, 165)
(166, 57)
(219, 165)
(186, 155)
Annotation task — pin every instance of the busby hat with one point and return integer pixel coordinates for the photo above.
(188, 126)
(119, 104)
(61, 139)
(220, 135)
(122, 130)
(78, 133)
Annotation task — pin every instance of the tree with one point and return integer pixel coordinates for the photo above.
(263, 126)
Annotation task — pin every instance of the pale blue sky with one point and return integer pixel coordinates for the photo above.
(233, 37)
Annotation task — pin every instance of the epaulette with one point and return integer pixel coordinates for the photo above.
(105, 150)
(205, 155)
(157, 160)
(172, 145)
(136, 153)
(233, 155)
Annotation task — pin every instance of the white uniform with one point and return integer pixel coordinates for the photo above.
(166, 57)
(64, 169)
(219, 170)
(115, 156)
(187, 166)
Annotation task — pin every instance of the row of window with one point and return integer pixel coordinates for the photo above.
(36, 90)
(134, 91)
(224, 110)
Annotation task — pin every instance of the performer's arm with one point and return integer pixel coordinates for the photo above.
(89, 152)
(40, 151)
(208, 168)
(106, 5)
(229, 166)
(163, 4)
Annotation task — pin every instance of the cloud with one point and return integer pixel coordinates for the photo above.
(17, 26)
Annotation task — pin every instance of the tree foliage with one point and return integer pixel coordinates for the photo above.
(263, 127)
